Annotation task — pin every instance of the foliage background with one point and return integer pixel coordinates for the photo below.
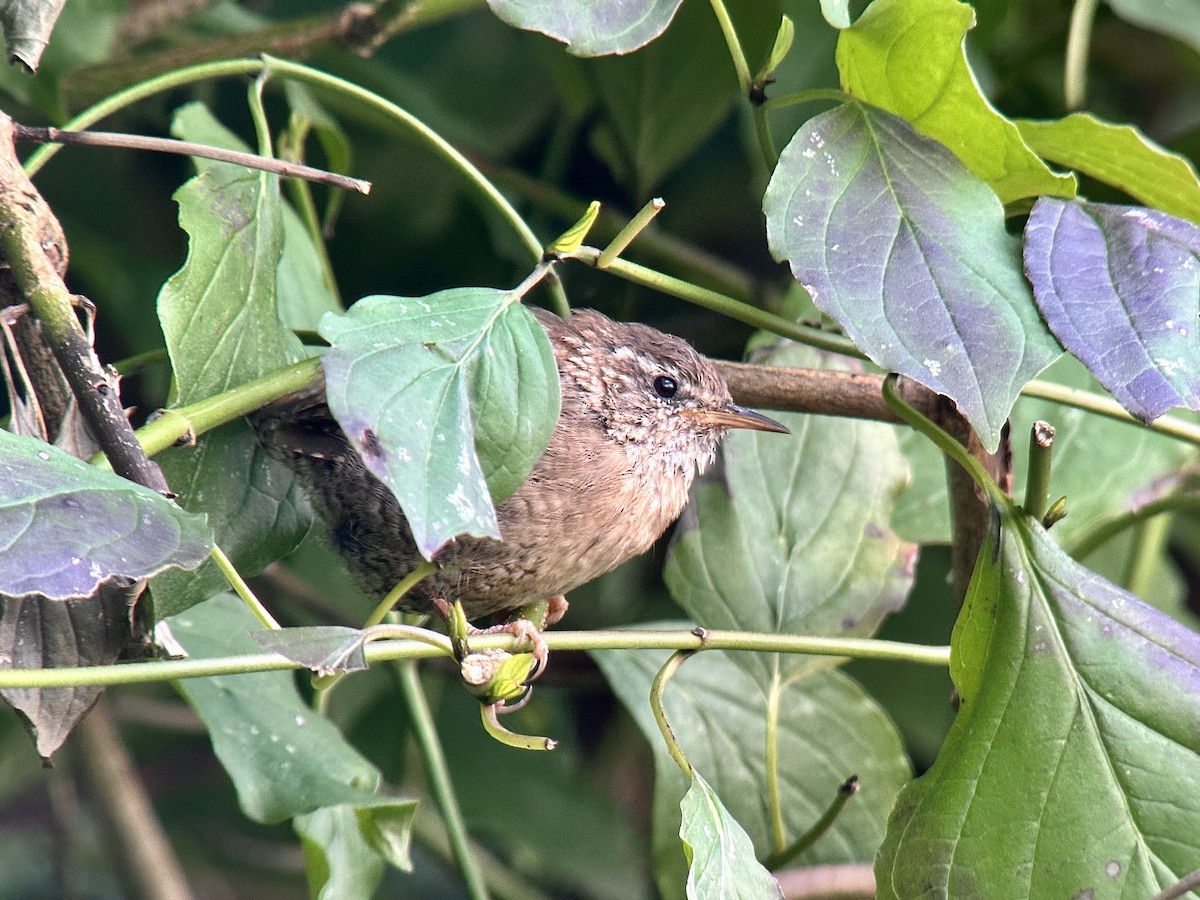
(555, 131)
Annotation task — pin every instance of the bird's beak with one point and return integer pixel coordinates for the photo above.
(734, 416)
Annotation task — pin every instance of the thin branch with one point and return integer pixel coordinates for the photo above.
(188, 148)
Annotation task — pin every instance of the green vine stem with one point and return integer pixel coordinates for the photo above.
(406, 584)
(1111, 409)
(1079, 40)
(438, 772)
(943, 441)
(387, 651)
(847, 790)
(657, 689)
(242, 589)
(191, 421)
(626, 235)
(253, 67)
(1037, 481)
(1146, 553)
(734, 309)
(1092, 540)
(815, 95)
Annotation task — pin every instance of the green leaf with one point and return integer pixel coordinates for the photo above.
(338, 861)
(325, 649)
(836, 12)
(284, 758)
(790, 534)
(907, 57)
(662, 102)
(450, 399)
(592, 29)
(67, 528)
(219, 318)
(1119, 155)
(1177, 20)
(720, 857)
(1077, 727)
(908, 251)
(818, 729)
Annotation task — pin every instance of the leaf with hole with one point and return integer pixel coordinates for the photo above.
(1077, 727)
(1120, 287)
(907, 250)
(449, 399)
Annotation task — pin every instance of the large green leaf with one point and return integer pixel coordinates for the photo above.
(218, 314)
(772, 749)
(1076, 734)
(907, 57)
(791, 535)
(1119, 155)
(907, 250)
(450, 399)
(284, 758)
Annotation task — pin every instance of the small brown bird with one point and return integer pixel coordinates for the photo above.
(642, 414)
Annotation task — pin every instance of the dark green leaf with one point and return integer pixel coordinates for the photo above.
(592, 29)
(1122, 156)
(791, 535)
(907, 250)
(1078, 719)
(284, 758)
(219, 318)
(662, 101)
(720, 857)
(906, 56)
(67, 527)
(450, 399)
(253, 500)
(819, 729)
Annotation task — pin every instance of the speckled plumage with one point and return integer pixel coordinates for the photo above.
(615, 474)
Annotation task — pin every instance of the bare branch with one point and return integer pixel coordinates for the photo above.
(187, 148)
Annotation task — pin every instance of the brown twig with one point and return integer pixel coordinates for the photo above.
(21, 225)
(856, 395)
(148, 865)
(188, 148)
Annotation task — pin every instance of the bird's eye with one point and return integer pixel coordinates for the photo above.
(665, 386)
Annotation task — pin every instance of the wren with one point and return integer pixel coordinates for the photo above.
(642, 414)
